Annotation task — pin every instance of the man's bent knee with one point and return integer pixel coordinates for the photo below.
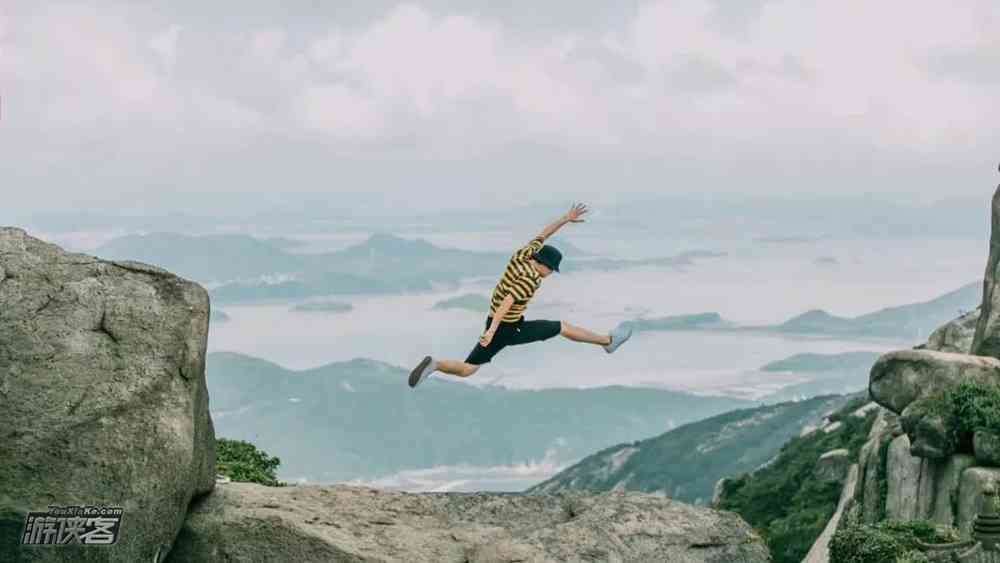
(469, 369)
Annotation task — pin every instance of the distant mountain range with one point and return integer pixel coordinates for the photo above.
(686, 462)
(359, 419)
(824, 362)
(828, 374)
(206, 258)
(906, 322)
(914, 321)
(244, 268)
(612, 264)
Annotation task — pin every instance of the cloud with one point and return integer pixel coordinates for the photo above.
(694, 80)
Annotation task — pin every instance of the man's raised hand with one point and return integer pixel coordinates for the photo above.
(575, 212)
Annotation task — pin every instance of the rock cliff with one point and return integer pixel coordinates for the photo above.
(915, 464)
(102, 395)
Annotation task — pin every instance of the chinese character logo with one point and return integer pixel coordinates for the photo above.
(77, 525)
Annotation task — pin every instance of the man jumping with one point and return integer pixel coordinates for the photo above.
(505, 325)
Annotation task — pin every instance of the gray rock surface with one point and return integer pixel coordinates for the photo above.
(975, 480)
(902, 377)
(987, 447)
(102, 395)
(903, 473)
(987, 339)
(870, 467)
(306, 523)
(831, 467)
(956, 336)
(928, 430)
(902, 381)
(946, 488)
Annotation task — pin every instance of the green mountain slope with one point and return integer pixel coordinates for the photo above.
(359, 419)
(784, 501)
(685, 463)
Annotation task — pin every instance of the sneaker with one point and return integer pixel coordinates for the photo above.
(420, 373)
(619, 335)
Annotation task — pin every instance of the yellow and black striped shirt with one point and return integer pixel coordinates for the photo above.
(519, 280)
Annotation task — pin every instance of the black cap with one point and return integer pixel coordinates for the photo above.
(549, 256)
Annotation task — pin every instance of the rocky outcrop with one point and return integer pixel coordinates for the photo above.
(955, 337)
(102, 395)
(903, 382)
(948, 483)
(831, 467)
(986, 445)
(248, 522)
(975, 481)
(987, 339)
(904, 476)
(902, 377)
(871, 469)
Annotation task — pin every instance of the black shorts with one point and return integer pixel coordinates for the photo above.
(512, 334)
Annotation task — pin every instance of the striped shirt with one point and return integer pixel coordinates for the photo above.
(520, 280)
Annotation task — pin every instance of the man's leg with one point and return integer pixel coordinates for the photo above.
(578, 334)
(454, 367)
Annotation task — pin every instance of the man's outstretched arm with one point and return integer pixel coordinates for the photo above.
(572, 216)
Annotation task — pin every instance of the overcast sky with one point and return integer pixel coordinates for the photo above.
(205, 107)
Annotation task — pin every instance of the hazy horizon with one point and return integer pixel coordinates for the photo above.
(393, 108)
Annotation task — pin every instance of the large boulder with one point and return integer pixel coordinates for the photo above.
(987, 339)
(899, 378)
(904, 381)
(102, 396)
(307, 523)
(956, 336)
(831, 467)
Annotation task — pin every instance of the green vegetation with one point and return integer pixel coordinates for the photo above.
(965, 408)
(888, 541)
(783, 501)
(686, 462)
(242, 461)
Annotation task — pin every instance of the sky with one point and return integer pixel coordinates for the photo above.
(231, 107)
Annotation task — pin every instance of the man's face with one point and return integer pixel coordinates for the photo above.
(542, 269)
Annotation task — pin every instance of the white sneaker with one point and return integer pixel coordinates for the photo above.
(619, 335)
(422, 371)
